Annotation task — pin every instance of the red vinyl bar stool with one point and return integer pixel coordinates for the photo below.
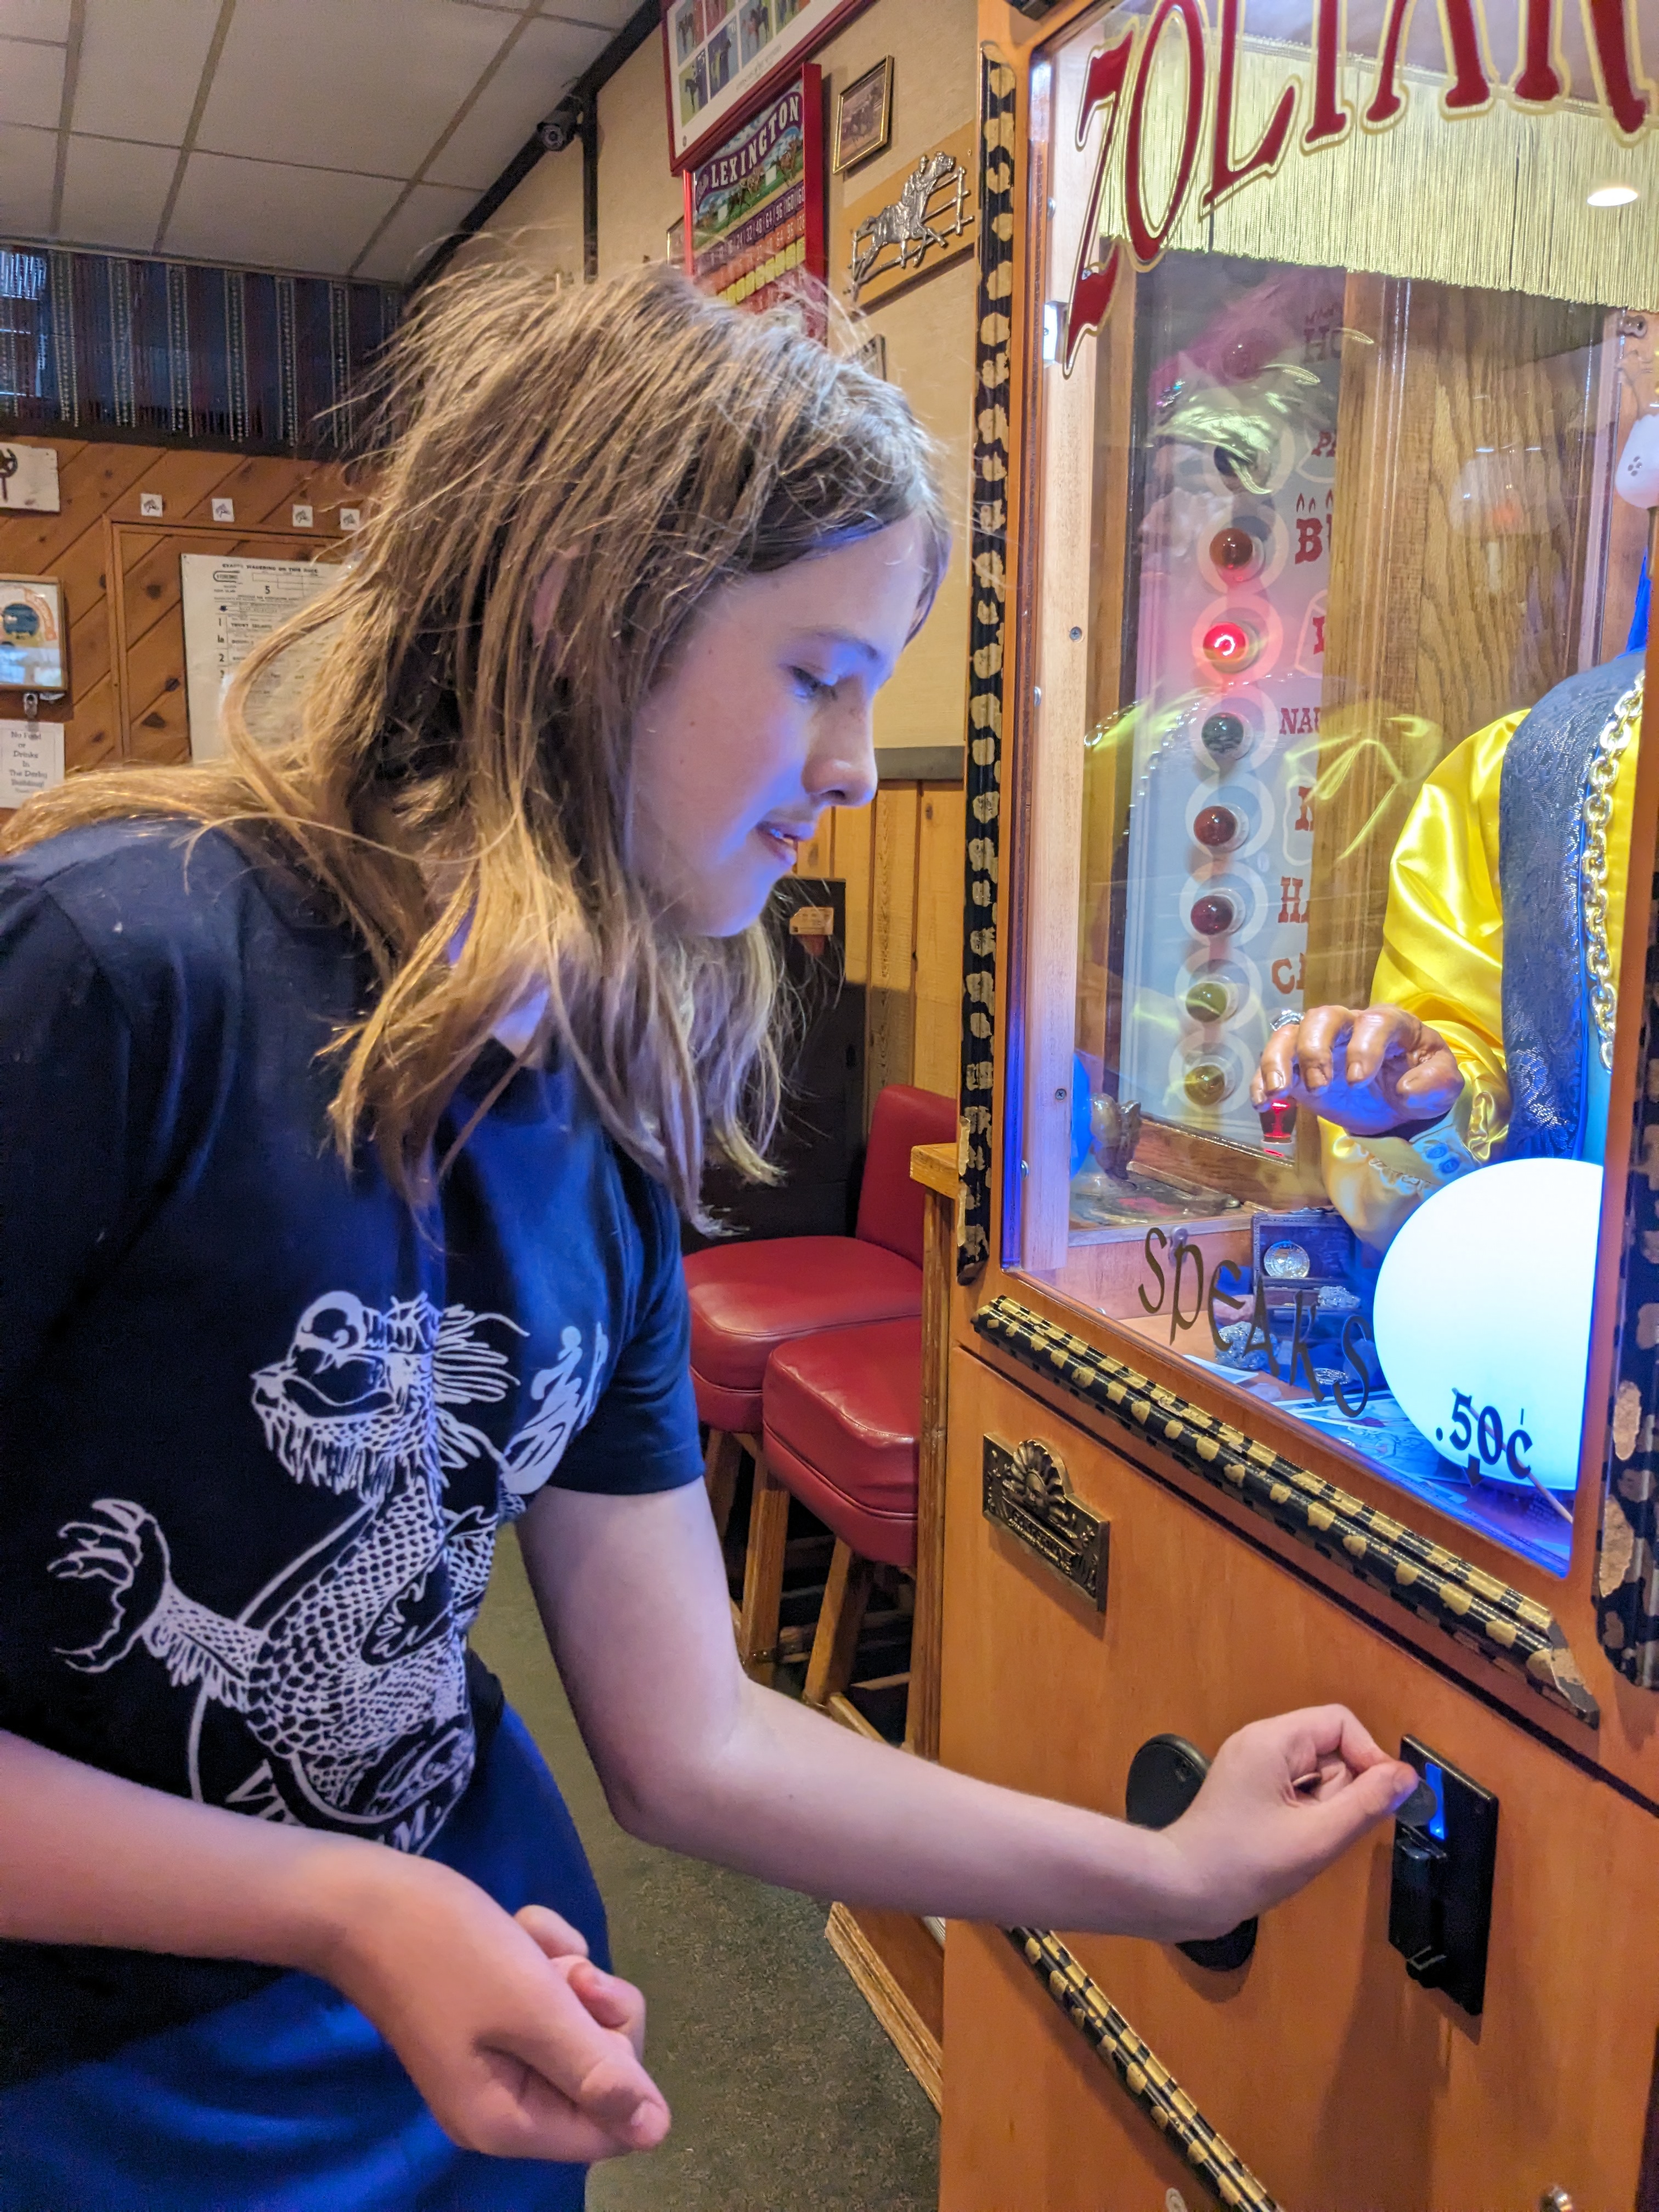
(749, 1299)
(842, 1417)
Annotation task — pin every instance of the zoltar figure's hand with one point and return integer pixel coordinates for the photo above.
(1371, 1071)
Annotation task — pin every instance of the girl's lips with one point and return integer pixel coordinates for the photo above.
(786, 843)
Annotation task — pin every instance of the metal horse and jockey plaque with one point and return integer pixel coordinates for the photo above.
(899, 232)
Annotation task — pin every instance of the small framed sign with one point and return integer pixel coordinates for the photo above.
(34, 655)
(864, 117)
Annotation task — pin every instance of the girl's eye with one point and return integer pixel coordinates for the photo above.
(810, 686)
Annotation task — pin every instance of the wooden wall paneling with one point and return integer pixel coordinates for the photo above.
(123, 583)
(1386, 2098)
(817, 856)
(940, 833)
(889, 1057)
(854, 852)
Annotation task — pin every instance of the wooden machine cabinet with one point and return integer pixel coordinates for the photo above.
(1418, 390)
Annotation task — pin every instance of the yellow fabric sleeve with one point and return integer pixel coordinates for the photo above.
(1443, 960)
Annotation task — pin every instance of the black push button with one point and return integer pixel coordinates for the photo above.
(1166, 1775)
(1445, 1844)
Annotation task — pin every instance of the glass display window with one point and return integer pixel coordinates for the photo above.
(1342, 456)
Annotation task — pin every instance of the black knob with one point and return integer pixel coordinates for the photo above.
(1164, 1777)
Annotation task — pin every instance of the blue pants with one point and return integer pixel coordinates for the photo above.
(290, 2101)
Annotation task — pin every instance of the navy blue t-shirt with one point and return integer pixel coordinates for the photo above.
(258, 1423)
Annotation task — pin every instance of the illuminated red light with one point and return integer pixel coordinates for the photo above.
(1230, 643)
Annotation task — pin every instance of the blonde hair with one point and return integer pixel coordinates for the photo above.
(661, 444)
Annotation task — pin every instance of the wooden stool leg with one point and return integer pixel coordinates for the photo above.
(840, 1619)
(763, 1573)
(720, 1475)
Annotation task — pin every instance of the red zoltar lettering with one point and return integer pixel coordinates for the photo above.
(1310, 538)
(1542, 76)
(1290, 908)
(1287, 975)
(1299, 722)
(1304, 793)
(1330, 118)
(1092, 287)
(1624, 96)
(1471, 86)
(1147, 244)
(1225, 174)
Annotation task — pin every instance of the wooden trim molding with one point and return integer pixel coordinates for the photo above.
(988, 558)
(1503, 1624)
(1212, 2160)
(910, 2035)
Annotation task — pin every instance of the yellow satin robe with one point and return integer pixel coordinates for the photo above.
(1442, 959)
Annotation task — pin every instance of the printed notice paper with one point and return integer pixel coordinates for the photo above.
(31, 759)
(230, 603)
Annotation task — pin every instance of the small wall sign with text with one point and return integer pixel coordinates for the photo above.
(29, 479)
(31, 759)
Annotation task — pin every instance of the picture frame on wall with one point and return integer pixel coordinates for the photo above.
(754, 213)
(871, 353)
(33, 636)
(723, 60)
(864, 117)
(674, 248)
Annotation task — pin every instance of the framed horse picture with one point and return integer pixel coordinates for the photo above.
(896, 233)
(723, 60)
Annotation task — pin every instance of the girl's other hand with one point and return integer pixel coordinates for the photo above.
(612, 2002)
(1282, 1800)
(521, 2046)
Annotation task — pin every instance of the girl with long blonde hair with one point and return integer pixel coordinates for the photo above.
(350, 1088)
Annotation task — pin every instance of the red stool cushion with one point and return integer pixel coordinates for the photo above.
(842, 1415)
(748, 1299)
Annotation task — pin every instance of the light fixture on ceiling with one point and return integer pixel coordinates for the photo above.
(1605, 195)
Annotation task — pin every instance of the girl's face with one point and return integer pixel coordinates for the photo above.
(764, 719)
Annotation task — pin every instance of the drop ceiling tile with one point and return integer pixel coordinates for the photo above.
(273, 216)
(349, 84)
(114, 192)
(31, 83)
(610, 16)
(427, 217)
(140, 67)
(34, 19)
(530, 82)
(29, 163)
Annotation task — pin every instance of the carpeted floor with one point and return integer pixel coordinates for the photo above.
(787, 2095)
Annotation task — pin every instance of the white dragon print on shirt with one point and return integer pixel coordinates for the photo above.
(348, 1669)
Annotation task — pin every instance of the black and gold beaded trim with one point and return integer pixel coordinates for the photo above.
(1501, 1623)
(1626, 1588)
(1154, 2088)
(988, 555)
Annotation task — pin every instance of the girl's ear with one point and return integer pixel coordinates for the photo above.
(549, 593)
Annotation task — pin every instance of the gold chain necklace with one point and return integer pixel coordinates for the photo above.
(1597, 813)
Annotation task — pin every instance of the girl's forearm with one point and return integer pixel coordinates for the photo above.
(86, 1857)
(802, 1802)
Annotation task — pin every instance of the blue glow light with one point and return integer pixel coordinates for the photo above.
(1437, 1781)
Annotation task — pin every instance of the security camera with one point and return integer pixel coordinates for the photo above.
(560, 129)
